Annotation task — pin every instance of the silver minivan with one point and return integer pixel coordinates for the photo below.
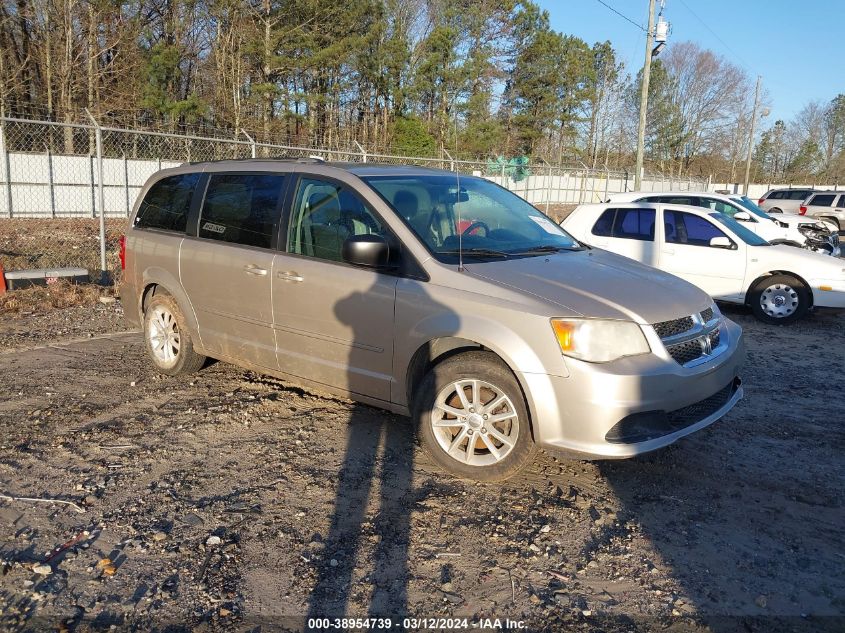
(430, 294)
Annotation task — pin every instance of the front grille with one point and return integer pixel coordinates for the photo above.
(714, 339)
(685, 352)
(707, 315)
(665, 329)
(648, 425)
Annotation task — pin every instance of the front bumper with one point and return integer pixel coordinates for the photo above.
(634, 405)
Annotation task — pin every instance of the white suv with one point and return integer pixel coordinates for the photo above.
(787, 229)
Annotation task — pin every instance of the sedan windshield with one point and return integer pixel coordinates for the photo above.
(740, 231)
(451, 213)
(749, 204)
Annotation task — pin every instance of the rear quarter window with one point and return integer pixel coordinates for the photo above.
(166, 205)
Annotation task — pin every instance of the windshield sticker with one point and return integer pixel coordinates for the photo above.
(547, 225)
(214, 228)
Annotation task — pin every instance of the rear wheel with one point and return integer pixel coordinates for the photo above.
(774, 210)
(167, 340)
(472, 418)
(779, 299)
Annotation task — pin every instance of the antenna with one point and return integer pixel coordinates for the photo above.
(458, 223)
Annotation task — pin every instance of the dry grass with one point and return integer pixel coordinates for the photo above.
(36, 243)
(61, 294)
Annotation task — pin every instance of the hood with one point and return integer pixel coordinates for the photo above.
(794, 220)
(597, 284)
(804, 263)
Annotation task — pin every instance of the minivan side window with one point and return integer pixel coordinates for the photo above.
(797, 194)
(324, 214)
(242, 208)
(822, 200)
(689, 229)
(166, 204)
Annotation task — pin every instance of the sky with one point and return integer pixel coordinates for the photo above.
(797, 47)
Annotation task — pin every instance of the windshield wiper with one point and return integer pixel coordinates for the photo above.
(548, 248)
(476, 252)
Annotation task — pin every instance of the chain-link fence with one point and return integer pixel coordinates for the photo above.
(51, 170)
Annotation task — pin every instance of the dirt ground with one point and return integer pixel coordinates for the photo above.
(230, 501)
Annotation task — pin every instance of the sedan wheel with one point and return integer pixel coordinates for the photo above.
(779, 299)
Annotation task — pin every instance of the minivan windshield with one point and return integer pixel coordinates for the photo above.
(749, 204)
(485, 221)
(740, 231)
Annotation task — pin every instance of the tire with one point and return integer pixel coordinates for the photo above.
(779, 299)
(499, 448)
(173, 355)
(774, 210)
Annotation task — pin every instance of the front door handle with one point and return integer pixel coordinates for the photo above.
(668, 251)
(290, 275)
(252, 269)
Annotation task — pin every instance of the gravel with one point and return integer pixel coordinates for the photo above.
(229, 500)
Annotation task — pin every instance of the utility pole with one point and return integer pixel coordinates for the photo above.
(644, 97)
(751, 138)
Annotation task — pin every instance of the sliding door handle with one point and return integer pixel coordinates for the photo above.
(252, 269)
(290, 275)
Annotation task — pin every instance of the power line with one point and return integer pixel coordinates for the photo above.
(621, 15)
(716, 35)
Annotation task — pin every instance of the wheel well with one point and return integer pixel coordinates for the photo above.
(439, 349)
(431, 353)
(778, 272)
(150, 291)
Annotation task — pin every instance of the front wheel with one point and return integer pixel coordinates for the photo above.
(472, 418)
(779, 299)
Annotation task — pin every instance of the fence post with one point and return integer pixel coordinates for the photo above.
(126, 182)
(548, 189)
(7, 168)
(101, 191)
(606, 180)
(503, 175)
(362, 150)
(451, 160)
(50, 180)
(93, 186)
(251, 141)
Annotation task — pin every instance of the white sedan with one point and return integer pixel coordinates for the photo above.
(717, 254)
(789, 229)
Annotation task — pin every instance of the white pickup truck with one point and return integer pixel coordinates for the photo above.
(717, 254)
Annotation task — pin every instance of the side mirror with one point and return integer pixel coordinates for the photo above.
(742, 216)
(371, 251)
(721, 242)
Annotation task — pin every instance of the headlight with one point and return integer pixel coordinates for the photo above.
(599, 341)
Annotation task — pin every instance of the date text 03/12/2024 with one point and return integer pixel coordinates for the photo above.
(414, 624)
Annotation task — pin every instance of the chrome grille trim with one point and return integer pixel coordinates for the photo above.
(699, 343)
